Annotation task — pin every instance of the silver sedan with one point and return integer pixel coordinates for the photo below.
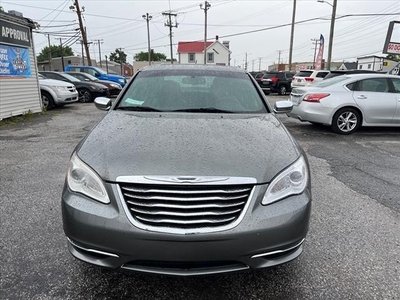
(347, 102)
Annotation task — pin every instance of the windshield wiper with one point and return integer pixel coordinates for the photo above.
(204, 109)
(138, 108)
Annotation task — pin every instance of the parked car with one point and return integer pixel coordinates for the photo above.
(113, 87)
(88, 91)
(258, 77)
(349, 101)
(56, 93)
(189, 173)
(335, 73)
(277, 82)
(307, 77)
(98, 73)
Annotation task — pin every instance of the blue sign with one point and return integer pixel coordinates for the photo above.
(14, 61)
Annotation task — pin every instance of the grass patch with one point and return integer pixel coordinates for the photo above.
(27, 116)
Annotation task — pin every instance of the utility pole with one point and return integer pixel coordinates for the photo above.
(106, 64)
(169, 24)
(50, 59)
(331, 34)
(252, 65)
(83, 53)
(245, 62)
(99, 42)
(315, 43)
(147, 17)
(206, 8)
(78, 10)
(62, 55)
(259, 64)
(279, 57)
(292, 35)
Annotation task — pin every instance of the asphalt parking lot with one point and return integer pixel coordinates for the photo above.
(352, 250)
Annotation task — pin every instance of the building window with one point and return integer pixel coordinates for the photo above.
(192, 57)
(369, 66)
(360, 67)
(210, 57)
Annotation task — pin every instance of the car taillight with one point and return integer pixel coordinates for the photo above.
(315, 97)
(275, 79)
(310, 79)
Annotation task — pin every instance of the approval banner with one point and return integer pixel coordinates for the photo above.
(14, 61)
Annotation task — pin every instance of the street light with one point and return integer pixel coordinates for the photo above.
(328, 65)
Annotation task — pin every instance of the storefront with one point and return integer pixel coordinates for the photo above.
(19, 85)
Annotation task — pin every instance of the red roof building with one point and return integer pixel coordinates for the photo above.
(217, 53)
(192, 47)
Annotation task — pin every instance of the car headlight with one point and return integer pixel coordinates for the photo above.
(60, 88)
(115, 85)
(291, 181)
(82, 179)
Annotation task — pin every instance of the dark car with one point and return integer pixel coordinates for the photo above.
(113, 87)
(277, 82)
(258, 77)
(189, 173)
(88, 91)
(347, 72)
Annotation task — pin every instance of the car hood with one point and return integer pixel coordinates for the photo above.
(53, 82)
(176, 144)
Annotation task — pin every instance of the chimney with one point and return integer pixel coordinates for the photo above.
(216, 37)
(226, 44)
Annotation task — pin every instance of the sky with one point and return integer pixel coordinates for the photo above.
(247, 24)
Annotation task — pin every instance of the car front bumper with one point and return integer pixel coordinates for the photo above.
(66, 97)
(267, 236)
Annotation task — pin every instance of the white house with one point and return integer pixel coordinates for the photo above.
(375, 63)
(193, 53)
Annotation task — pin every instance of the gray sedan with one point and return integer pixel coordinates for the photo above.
(347, 102)
(189, 173)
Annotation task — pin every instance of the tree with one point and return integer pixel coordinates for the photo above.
(1, 8)
(55, 52)
(118, 56)
(395, 57)
(144, 56)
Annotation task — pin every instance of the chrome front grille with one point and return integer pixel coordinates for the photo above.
(185, 207)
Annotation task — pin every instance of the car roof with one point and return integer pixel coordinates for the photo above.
(162, 67)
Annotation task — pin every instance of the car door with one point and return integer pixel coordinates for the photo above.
(376, 101)
(396, 92)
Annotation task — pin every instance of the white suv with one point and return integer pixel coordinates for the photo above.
(56, 92)
(307, 77)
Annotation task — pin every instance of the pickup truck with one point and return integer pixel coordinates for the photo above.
(98, 73)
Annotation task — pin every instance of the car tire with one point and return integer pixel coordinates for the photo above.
(85, 96)
(346, 121)
(282, 90)
(266, 93)
(47, 100)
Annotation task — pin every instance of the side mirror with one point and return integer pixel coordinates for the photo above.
(86, 79)
(283, 107)
(103, 103)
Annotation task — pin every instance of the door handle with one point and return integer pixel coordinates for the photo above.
(361, 97)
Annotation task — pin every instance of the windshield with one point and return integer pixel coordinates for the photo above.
(91, 77)
(193, 91)
(270, 75)
(70, 78)
(303, 74)
(100, 71)
(330, 81)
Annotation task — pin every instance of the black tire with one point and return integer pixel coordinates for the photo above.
(85, 96)
(47, 100)
(266, 93)
(282, 90)
(346, 121)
